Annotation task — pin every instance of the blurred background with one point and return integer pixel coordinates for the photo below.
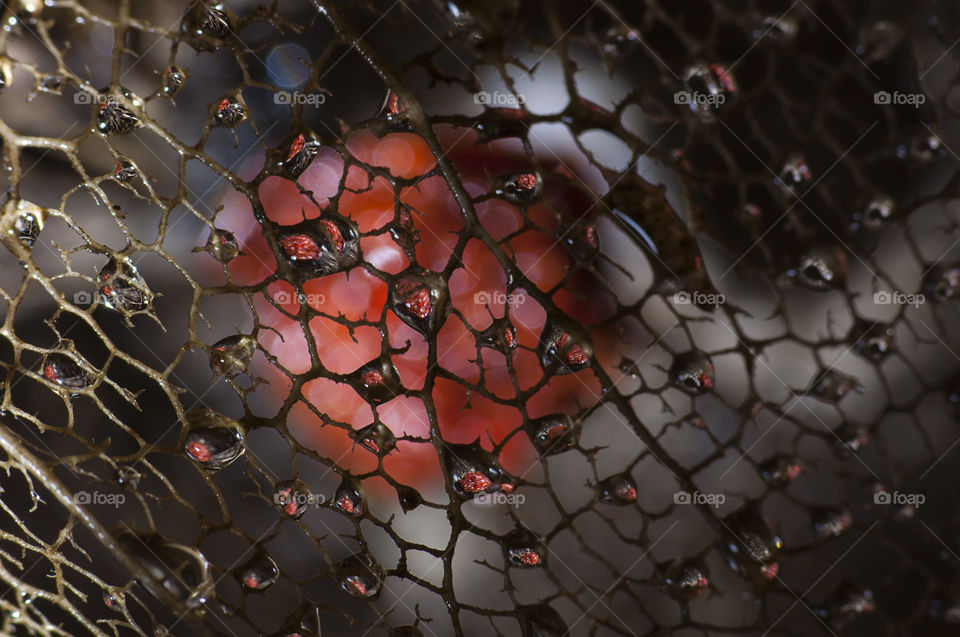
(763, 442)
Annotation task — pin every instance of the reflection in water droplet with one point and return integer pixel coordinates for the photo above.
(692, 372)
(169, 569)
(361, 576)
(258, 572)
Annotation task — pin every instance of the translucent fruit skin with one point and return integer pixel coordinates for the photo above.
(359, 293)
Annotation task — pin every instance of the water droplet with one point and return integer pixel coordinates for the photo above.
(519, 188)
(125, 171)
(320, 247)
(851, 436)
(561, 354)
(393, 114)
(122, 288)
(924, 147)
(408, 497)
(349, 497)
(415, 297)
(361, 576)
(206, 20)
(943, 283)
(377, 381)
(221, 245)
(875, 342)
(211, 440)
(583, 241)
(709, 88)
(692, 372)
(52, 83)
(553, 434)
(541, 620)
(685, 580)
(27, 228)
(876, 213)
(523, 549)
(113, 601)
(794, 176)
(375, 437)
(845, 604)
(501, 336)
(750, 216)
(780, 470)
(114, 114)
(259, 572)
(64, 371)
(229, 113)
(299, 155)
(617, 39)
(823, 268)
(829, 521)
(231, 356)
(169, 569)
(619, 489)
(832, 386)
(474, 470)
(293, 497)
(172, 81)
(752, 551)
